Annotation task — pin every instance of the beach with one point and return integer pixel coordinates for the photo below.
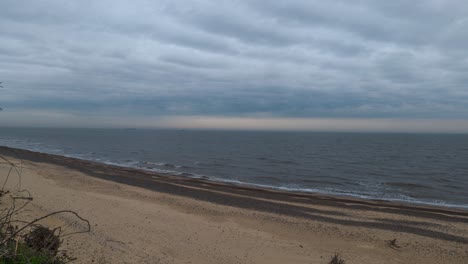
(145, 217)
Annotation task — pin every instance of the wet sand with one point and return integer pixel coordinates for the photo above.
(144, 217)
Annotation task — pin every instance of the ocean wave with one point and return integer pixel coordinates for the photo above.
(344, 193)
(387, 191)
(407, 185)
(164, 164)
(278, 161)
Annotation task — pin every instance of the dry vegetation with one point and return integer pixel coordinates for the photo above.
(28, 241)
(336, 259)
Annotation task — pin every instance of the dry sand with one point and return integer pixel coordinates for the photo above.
(165, 219)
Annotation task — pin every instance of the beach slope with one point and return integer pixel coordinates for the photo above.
(143, 217)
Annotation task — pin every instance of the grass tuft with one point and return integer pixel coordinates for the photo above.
(393, 244)
(25, 241)
(43, 239)
(336, 259)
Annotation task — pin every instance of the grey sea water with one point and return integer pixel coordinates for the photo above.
(416, 168)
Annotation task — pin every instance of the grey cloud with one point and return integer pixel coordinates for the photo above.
(237, 58)
(402, 22)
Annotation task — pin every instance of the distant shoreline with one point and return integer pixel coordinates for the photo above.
(146, 179)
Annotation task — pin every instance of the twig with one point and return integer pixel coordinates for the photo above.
(46, 216)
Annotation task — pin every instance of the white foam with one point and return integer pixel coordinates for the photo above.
(343, 193)
(38, 147)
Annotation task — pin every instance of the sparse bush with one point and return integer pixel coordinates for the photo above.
(24, 241)
(336, 259)
(43, 239)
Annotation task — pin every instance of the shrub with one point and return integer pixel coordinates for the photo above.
(336, 259)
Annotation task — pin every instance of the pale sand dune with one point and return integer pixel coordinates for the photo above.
(221, 224)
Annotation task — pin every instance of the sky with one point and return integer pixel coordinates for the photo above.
(338, 65)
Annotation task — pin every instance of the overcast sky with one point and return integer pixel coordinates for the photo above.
(234, 64)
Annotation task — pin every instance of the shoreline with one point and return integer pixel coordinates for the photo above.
(89, 165)
(143, 217)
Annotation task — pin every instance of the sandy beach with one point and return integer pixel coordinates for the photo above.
(143, 217)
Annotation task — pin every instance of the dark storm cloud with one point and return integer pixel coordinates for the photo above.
(237, 58)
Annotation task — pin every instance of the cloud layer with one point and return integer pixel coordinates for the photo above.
(247, 58)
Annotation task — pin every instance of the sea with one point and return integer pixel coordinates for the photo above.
(429, 169)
